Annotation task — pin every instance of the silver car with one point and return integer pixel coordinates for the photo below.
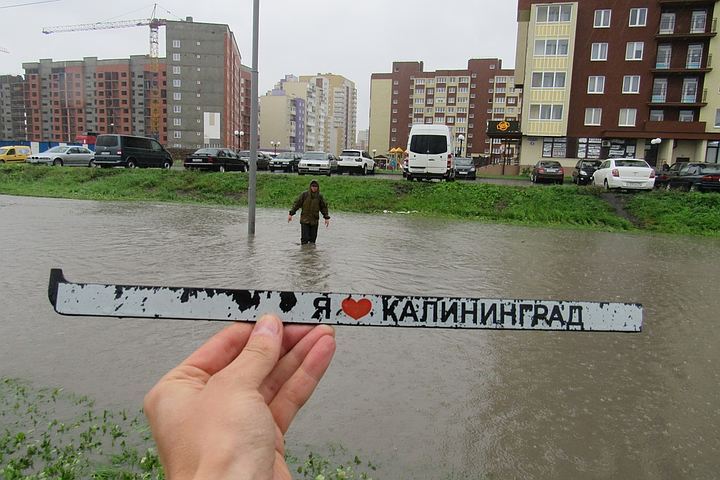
(71, 156)
(317, 162)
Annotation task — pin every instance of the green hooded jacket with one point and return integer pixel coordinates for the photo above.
(312, 204)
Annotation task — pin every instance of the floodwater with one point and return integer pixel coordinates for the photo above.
(419, 403)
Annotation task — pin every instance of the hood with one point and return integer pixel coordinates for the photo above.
(314, 182)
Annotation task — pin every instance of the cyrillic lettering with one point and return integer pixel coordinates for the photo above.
(504, 312)
(571, 316)
(556, 316)
(486, 313)
(408, 311)
(452, 310)
(321, 304)
(525, 307)
(541, 312)
(389, 310)
(426, 305)
(465, 312)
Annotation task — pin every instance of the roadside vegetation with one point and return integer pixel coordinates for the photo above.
(565, 206)
(50, 433)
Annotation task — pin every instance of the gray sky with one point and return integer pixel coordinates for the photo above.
(302, 37)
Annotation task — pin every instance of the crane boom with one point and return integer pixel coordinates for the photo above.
(152, 22)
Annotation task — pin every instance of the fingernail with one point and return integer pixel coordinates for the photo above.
(267, 325)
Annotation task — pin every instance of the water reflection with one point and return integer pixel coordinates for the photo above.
(421, 403)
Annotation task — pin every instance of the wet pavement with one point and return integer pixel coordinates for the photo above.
(420, 404)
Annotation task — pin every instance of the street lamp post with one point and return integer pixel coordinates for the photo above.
(112, 127)
(239, 134)
(275, 145)
(461, 139)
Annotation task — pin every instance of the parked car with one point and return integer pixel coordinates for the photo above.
(218, 159)
(317, 162)
(662, 177)
(356, 161)
(624, 173)
(72, 156)
(429, 153)
(113, 150)
(690, 176)
(583, 171)
(465, 168)
(14, 154)
(285, 162)
(547, 171)
(263, 159)
(709, 183)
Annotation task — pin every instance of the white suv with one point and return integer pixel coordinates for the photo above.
(356, 161)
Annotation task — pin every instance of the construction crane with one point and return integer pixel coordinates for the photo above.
(154, 83)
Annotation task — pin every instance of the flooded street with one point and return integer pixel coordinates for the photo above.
(419, 403)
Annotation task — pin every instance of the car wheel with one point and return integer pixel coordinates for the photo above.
(221, 169)
(364, 170)
(606, 185)
(131, 163)
(57, 162)
(91, 164)
(693, 188)
(533, 179)
(561, 181)
(667, 187)
(166, 165)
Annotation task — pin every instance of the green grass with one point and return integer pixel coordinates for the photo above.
(565, 206)
(48, 433)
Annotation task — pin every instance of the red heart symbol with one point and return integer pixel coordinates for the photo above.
(356, 308)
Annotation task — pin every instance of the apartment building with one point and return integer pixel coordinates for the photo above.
(64, 99)
(198, 95)
(465, 100)
(339, 96)
(208, 88)
(12, 108)
(605, 79)
(282, 122)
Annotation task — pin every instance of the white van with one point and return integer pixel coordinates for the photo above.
(430, 153)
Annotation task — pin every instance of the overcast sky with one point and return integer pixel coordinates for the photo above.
(353, 38)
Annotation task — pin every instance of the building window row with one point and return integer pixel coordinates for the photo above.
(554, 13)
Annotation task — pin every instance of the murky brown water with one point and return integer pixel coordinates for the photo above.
(420, 403)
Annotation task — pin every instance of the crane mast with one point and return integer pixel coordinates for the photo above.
(153, 83)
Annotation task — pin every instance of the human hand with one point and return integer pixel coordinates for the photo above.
(223, 412)
(290, 218)
(327, 222)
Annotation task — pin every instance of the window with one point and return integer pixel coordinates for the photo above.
(176, 43)
(177, 122)
(177, 134)
(551, 47)
(596, 84)
(177, 108)
(589, 148)
(176, 57)
(689, 90)
(686, 116)
(717, 118)
(694, 55)
(631, 84)
(697, 23)
(664, 54)
(177, 83)
(659, 92)
(627, 117)
(634, 51)
(593, 116)
(176, 69)
(553, 13)
(548, 79)
(177, 96)
(602, 19)
(554, 147)
(657, 115)
(638, 17)
(599, 52)
(545, 112)
(667, 23)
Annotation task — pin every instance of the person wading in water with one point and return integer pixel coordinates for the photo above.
(312, 204)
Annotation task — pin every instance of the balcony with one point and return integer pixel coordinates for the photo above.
(679, 127)
(685, 105)
(683, 71)
(685, 3)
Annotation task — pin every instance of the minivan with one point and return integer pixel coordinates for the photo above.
(430, 153)
(131, 152)
(14, 153)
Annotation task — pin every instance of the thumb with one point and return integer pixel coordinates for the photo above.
(261, 353)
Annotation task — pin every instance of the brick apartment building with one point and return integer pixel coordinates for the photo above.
(204, 92)
(602, 79)
(465, 100)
